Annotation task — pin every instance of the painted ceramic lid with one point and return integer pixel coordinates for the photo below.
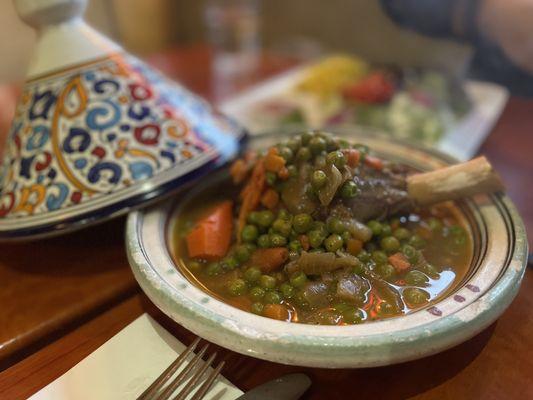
(98, 132)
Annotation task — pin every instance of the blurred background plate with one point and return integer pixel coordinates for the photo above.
(462, 134)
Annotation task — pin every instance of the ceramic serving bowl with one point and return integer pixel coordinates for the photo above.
(497, 267)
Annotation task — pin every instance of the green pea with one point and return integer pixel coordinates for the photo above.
(375, 227)
(263, 241)
(295, 246)
(429, 270)
(410, 252)
(229, 263)
(294, 144)
(336, 158)
(286, 153)
(320, 162)
(390, 244)
(417, 242)
(272, 297)
(364, 256)
(257, 308)
(213, 269)
(252, 274)
(352, 316)
(317, 145)
(386, 230)
(343, 144)
(302, 223)
(282, 226)
(380, 257)
(318, 179)
(249, 233)
(333, 242)
(331, 144)
(298, 279)
(277, 240)
(303, 154)
(385, 308)
(265, 218)
(386, 271)
(194, 265)
(315, 238)
(292, 170)
(253, 218)
(401, 233)
(284, 214)
(267, 282)
(335, 225)
(415, 296)
(270, 178)
(346, 236)
(349, 190)
(317, 250)
(306, 137)
(237, 287)
(434, 224)
(257, 293)
(242, 253)
(416, 278)
(286, 290)
(321, 227)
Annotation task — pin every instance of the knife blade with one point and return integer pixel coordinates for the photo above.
(287, 387)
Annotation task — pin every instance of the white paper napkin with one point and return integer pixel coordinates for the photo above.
(124, 366)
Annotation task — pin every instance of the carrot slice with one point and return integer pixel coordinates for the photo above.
(251, 195)
(238, 171)
(304, 241)
(354, 246)
(210, 238)
(274, 162)
(269, 260)
(276, 311)
(399, 262)
(374, 162)
(352, 157)
(270, 199)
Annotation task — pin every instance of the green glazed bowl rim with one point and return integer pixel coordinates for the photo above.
(324, 346)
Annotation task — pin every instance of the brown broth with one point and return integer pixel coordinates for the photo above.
(452, 261)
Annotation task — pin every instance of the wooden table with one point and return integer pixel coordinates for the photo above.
(62, 298)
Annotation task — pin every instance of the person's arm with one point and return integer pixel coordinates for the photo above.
(438, 18)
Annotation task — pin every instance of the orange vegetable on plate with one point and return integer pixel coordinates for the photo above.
(211, 237)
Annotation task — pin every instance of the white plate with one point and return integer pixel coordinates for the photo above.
(462, 141)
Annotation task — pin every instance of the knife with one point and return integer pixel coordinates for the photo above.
(287, 387)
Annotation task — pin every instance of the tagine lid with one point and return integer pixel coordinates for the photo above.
(97, 132)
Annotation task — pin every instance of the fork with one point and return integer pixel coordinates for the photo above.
(158, 391)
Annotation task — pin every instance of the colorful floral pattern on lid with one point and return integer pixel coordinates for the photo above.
(96, 134)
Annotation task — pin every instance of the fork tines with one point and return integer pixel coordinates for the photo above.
(192, 375)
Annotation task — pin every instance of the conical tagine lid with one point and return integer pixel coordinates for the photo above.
(97, 131)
